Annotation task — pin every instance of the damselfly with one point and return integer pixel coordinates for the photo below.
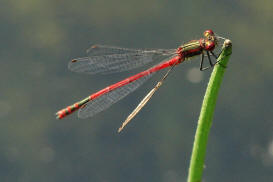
(107, 59)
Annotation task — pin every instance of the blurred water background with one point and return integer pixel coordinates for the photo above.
(38, 39)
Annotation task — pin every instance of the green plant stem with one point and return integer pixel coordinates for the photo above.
(206, 115)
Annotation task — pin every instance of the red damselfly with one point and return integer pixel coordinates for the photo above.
(107, 59)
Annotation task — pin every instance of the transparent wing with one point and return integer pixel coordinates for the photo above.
(103, 102)
(107, 59)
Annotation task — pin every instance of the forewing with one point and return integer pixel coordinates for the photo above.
(109, 59)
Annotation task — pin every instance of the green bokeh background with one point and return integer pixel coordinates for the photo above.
(39, 37)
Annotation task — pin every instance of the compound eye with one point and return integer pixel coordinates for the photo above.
(208, 33)
(209, 45)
